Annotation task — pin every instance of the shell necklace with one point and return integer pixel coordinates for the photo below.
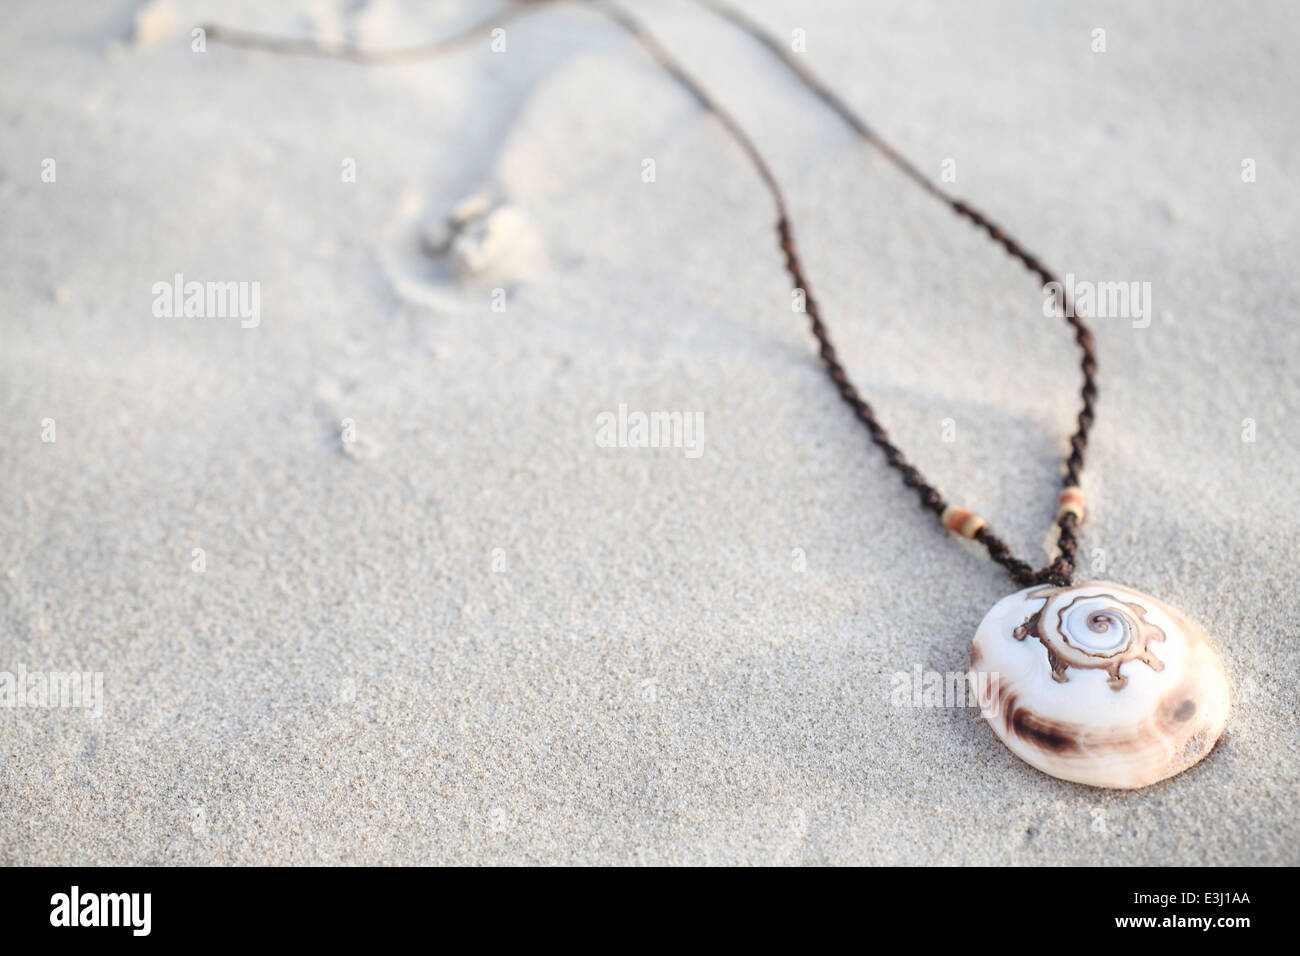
(1094, 683)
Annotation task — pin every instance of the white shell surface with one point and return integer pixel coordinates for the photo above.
(1099, 684)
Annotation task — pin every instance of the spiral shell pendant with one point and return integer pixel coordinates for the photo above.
(1099, 684)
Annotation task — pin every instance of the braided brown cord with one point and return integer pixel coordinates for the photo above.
(1060, 570)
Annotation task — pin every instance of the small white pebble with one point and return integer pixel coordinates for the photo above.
(154, 22)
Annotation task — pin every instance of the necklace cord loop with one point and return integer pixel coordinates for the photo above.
(1061, 570)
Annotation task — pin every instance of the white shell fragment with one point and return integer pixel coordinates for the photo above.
(1099, 684)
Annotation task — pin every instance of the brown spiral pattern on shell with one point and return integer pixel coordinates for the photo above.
(1065, 627)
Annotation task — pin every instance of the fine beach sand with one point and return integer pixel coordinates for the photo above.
(471, 634)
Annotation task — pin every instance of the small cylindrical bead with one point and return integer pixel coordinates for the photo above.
(963, 522)
(1070, 502)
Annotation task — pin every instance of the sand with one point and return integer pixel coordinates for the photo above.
(460, 629)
